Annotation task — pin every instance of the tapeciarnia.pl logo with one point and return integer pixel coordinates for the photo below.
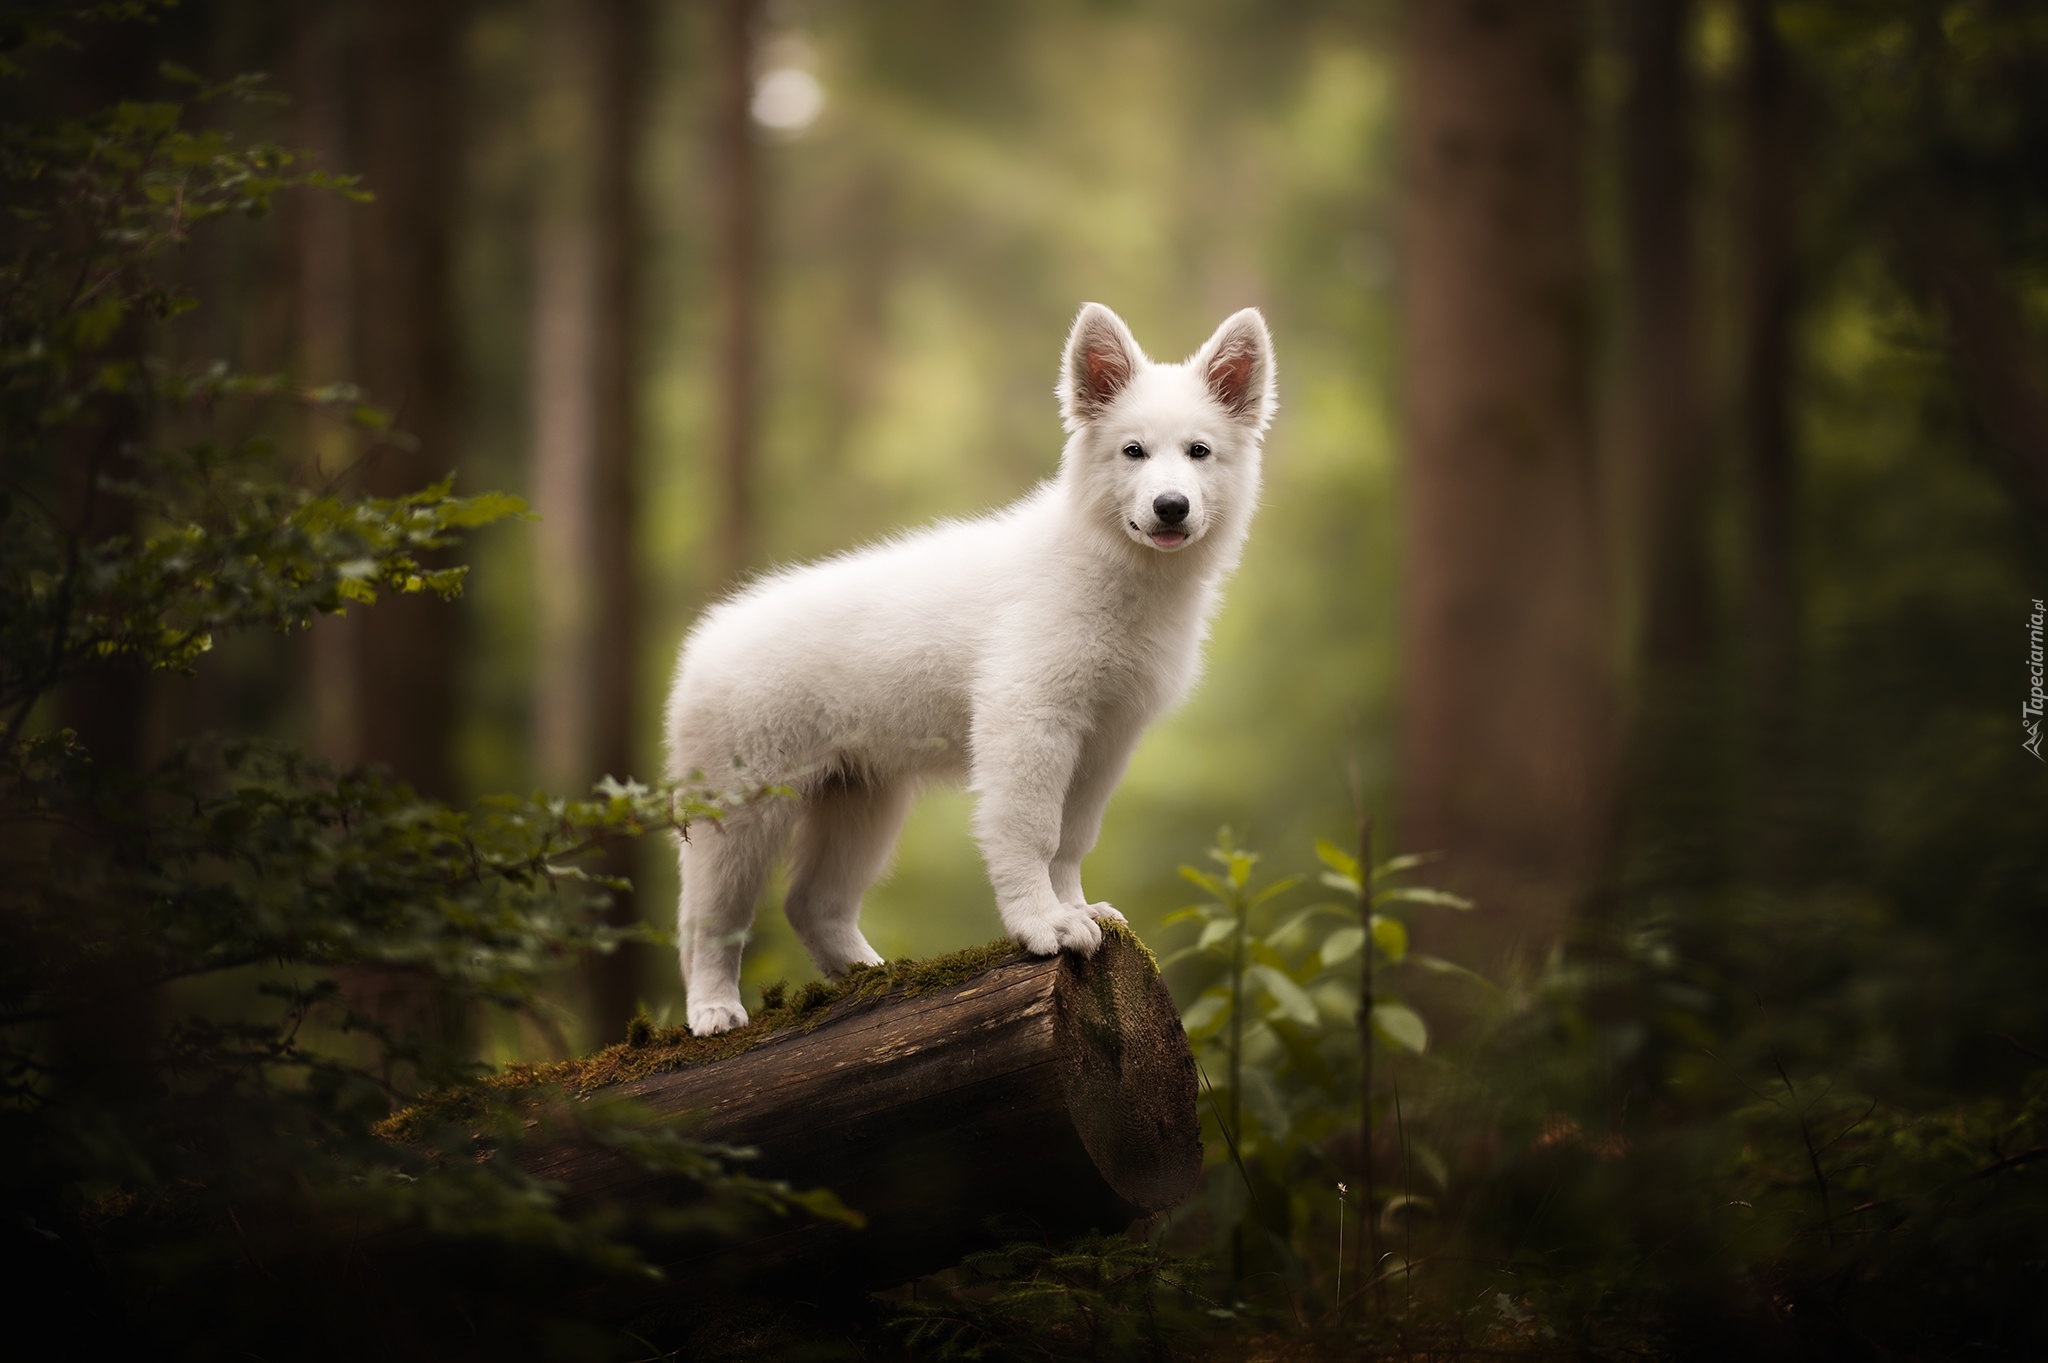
(2030, 712)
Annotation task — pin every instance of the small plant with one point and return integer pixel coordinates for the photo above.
(1287, 1009)
(1380, 941)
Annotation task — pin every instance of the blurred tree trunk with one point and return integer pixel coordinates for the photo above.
(622, 81)
(586, 435)
(739, 233)
(564, 392)
(1505, 721)
(324, 249)
(410, 658)
(409, 652)
(1944, 257)
(1665, 424)
(1767, 139)
(1667, 448)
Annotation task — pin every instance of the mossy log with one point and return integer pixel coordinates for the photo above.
(1033, 1097)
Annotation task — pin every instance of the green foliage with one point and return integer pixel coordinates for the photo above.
(1659, 1171)
(1103, 1298)
(1275, 1019)
(194, 1059)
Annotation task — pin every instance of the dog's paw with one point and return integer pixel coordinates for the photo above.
(839, 954)
(1067, 930)
(1102, 911)
(709, 1019)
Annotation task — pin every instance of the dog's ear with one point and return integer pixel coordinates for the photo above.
(1237, 364)
(1101, 356)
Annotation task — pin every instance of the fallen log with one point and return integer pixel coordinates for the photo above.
(1032, 1096)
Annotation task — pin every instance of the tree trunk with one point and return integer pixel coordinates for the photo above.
(1505, 719)
(408, 649)
(622, 48)
(1945, 259)
(586, 435)
(1666, 460)
(1666, 433)
(739, 233)
(409, 663)
(563, 386)
(1770, 587)
(1041, 1097)
(323, 244)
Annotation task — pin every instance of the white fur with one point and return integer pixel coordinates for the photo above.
(1023, 651)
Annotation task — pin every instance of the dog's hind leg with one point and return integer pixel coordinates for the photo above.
(723, 865)
(849, 829)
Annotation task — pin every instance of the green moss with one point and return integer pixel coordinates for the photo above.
(659, 1049)
(1125, 932)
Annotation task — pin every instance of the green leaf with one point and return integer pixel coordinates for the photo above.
(1273, 891)
(1239, 868)
(1342, 944)
(1204, 1014)
(1394, 866)
(1215, 932)
(1390, 935)
(1417, 894)
(1400, 1025)
(1205, 881)
(1347, 884)
(1290, 998)
(1337, 859)
(467, 513)
(1400, 1207)
(1193, 913)
(1263, 1100)
(1187, 953)
(1443, 967)
(1264, 952)
(1297, 921)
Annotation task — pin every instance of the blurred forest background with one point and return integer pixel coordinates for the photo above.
(1653, 523)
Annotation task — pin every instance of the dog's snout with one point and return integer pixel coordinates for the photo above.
(1170, 507)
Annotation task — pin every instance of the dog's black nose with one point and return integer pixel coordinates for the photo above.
(1170, 507)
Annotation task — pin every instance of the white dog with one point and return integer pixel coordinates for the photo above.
(1023, 651)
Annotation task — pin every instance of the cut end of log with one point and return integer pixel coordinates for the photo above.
(1127, 1073)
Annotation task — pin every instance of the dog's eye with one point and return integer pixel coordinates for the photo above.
(1135, 450)
(1198, 451)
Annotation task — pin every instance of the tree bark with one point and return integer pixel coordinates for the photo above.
(409, 660)
(1048, 1096)
(739, 251)
(1945, 259)
(1665, 461)
(563, 388)
(324, 318)
(1666, 434)
(408, 650)
(586, 432)
(1505, 711)
(622, 48)
(1770, 586)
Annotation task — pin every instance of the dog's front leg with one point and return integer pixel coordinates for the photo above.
(1104, 755)
(1024, 766)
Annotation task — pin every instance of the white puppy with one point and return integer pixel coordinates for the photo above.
(1023, 651)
